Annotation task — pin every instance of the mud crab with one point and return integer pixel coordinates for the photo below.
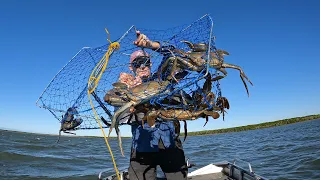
(195, 61)
(127, 98)
(138, 97)
(203, 106)
(68, 122)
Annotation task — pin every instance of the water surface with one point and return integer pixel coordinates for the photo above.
(284, 152)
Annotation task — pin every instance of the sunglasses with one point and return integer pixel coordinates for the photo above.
(137, 62)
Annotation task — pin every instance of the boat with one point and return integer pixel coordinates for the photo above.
(216, 171)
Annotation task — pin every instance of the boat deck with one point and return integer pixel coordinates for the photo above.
(221, 171)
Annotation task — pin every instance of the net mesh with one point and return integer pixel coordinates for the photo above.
(69, 87)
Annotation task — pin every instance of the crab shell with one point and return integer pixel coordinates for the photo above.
(146, 90)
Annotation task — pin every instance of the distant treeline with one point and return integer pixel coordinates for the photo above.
(218, 131)
(256, 126)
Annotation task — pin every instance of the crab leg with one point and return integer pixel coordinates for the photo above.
(242, 75)
(173, 69)
(188, 64)
(117, 113)
(207, 119)
(115, 123)
(164, 66)
(207, 84)
(182, 61)
(185, 130)
(119, 140)
(223, 71)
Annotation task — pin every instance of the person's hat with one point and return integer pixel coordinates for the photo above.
(136, 54)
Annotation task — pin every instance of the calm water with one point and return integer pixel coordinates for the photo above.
(286, 152)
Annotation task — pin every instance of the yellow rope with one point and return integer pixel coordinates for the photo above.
(93, 83)
(105, 137)
(101, 67)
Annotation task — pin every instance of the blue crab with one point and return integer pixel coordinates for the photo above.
(126, 98)
(195, 60)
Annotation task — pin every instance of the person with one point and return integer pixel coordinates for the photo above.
(152, 146)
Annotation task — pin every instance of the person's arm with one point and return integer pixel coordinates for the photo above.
(143, 41)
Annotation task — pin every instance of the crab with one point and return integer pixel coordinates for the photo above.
(128, 98)
(68, 122)
(195, 61)
(203, 105)
(178, 114)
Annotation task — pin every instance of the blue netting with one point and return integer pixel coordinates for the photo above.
(69, 87)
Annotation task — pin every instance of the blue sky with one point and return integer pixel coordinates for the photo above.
(276, 43)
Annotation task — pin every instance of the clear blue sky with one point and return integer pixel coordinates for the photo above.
(276, 43)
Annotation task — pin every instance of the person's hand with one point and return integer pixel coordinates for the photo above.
(126, 78)
(130, 80)
(142, 40)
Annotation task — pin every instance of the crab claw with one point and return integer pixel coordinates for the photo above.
(223, 102)
(207, 84)
(222, 53)
(213, 114)
(188, 43)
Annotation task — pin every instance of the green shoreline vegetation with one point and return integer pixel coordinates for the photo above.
(256, 126)
(217, 131)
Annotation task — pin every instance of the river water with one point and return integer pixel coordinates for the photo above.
(284, 152)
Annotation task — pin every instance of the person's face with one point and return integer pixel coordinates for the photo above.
(143, 72)
(141, 66)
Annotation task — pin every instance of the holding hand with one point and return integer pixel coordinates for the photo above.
(130, 80)
(143, 41)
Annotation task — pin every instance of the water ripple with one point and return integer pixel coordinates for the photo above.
(285, 152)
